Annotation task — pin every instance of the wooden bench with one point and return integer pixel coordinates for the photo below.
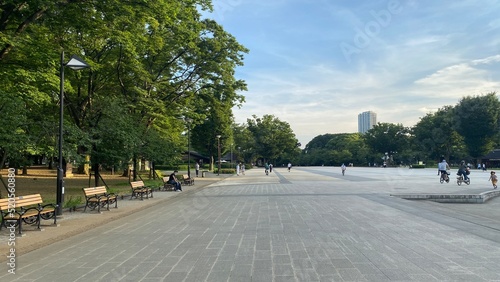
(97, 197)
(166, 186)
(28, 209)
(187, 180)
(139, 189)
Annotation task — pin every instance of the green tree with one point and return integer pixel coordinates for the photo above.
(434, 136)
(275, 141)
(387, 140)
(476, 118)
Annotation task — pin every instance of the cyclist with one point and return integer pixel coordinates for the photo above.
(442, 169)
(462, 170)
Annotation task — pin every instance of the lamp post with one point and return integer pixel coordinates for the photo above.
(74, 63)
(218, 150)
(188, 120)
(239, 155)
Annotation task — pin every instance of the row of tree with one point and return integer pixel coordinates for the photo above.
(466, 131)
(160, 70)
(157, 69)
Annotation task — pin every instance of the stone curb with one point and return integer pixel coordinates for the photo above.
(452, 198)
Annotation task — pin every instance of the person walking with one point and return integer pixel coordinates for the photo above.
(343, 167)
(197, 168)
(266, 167)
(238, 169)
(493, 179)
(243, 169)
(289, 166)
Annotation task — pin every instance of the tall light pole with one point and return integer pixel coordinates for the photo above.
(74, 63)
(218, 150)
(188, 120)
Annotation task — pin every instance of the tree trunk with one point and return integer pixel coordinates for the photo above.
(95, 169)
(4, 158)
(51, 162)
(135, 169)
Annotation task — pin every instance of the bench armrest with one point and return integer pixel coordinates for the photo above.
(49, 205)
(23, 210)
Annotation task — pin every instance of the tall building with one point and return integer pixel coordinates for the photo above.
(366, 121)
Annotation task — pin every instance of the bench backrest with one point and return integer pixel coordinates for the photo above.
(185, 176)
(21, 201)
(137, 184)
(92, 191)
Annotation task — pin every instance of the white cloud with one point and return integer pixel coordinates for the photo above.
(431, 55)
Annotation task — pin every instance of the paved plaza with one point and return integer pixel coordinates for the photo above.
(310, 224)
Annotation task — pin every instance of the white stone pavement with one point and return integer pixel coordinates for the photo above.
(310, 224)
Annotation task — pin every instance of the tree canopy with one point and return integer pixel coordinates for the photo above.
(153, 63)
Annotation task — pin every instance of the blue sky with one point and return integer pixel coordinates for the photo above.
(317, 64)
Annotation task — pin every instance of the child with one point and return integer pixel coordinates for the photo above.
(493, 179)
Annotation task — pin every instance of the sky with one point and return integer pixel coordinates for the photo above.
(317, 64)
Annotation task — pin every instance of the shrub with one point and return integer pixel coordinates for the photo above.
(226, 171)
(417, 166)
(73, 202)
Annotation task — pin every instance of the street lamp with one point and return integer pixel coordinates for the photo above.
(218, 150)
(74, 63)
(188, 120)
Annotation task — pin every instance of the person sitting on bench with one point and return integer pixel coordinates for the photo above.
(173, 180)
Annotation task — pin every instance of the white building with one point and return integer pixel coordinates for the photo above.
(366, 121)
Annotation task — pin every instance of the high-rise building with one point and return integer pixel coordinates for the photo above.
(366, 121)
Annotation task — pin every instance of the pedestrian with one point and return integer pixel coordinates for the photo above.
(289, 166)
(197, 168)
(266, 167)
(270, 167)
(343, 168)
(243, 169)
(173, 180)
(238, 169)
(484, 167)
(493, 179)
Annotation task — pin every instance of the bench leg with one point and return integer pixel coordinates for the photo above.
(20, 226)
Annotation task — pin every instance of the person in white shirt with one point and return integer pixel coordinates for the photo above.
(442, 169)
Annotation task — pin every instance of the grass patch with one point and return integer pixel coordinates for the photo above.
(44, 183)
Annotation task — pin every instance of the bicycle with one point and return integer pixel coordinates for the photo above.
(444, 177)
(460, 180)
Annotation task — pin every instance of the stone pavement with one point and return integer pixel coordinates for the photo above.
(310, 224)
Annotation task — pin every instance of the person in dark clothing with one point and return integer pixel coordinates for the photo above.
(173, 180)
